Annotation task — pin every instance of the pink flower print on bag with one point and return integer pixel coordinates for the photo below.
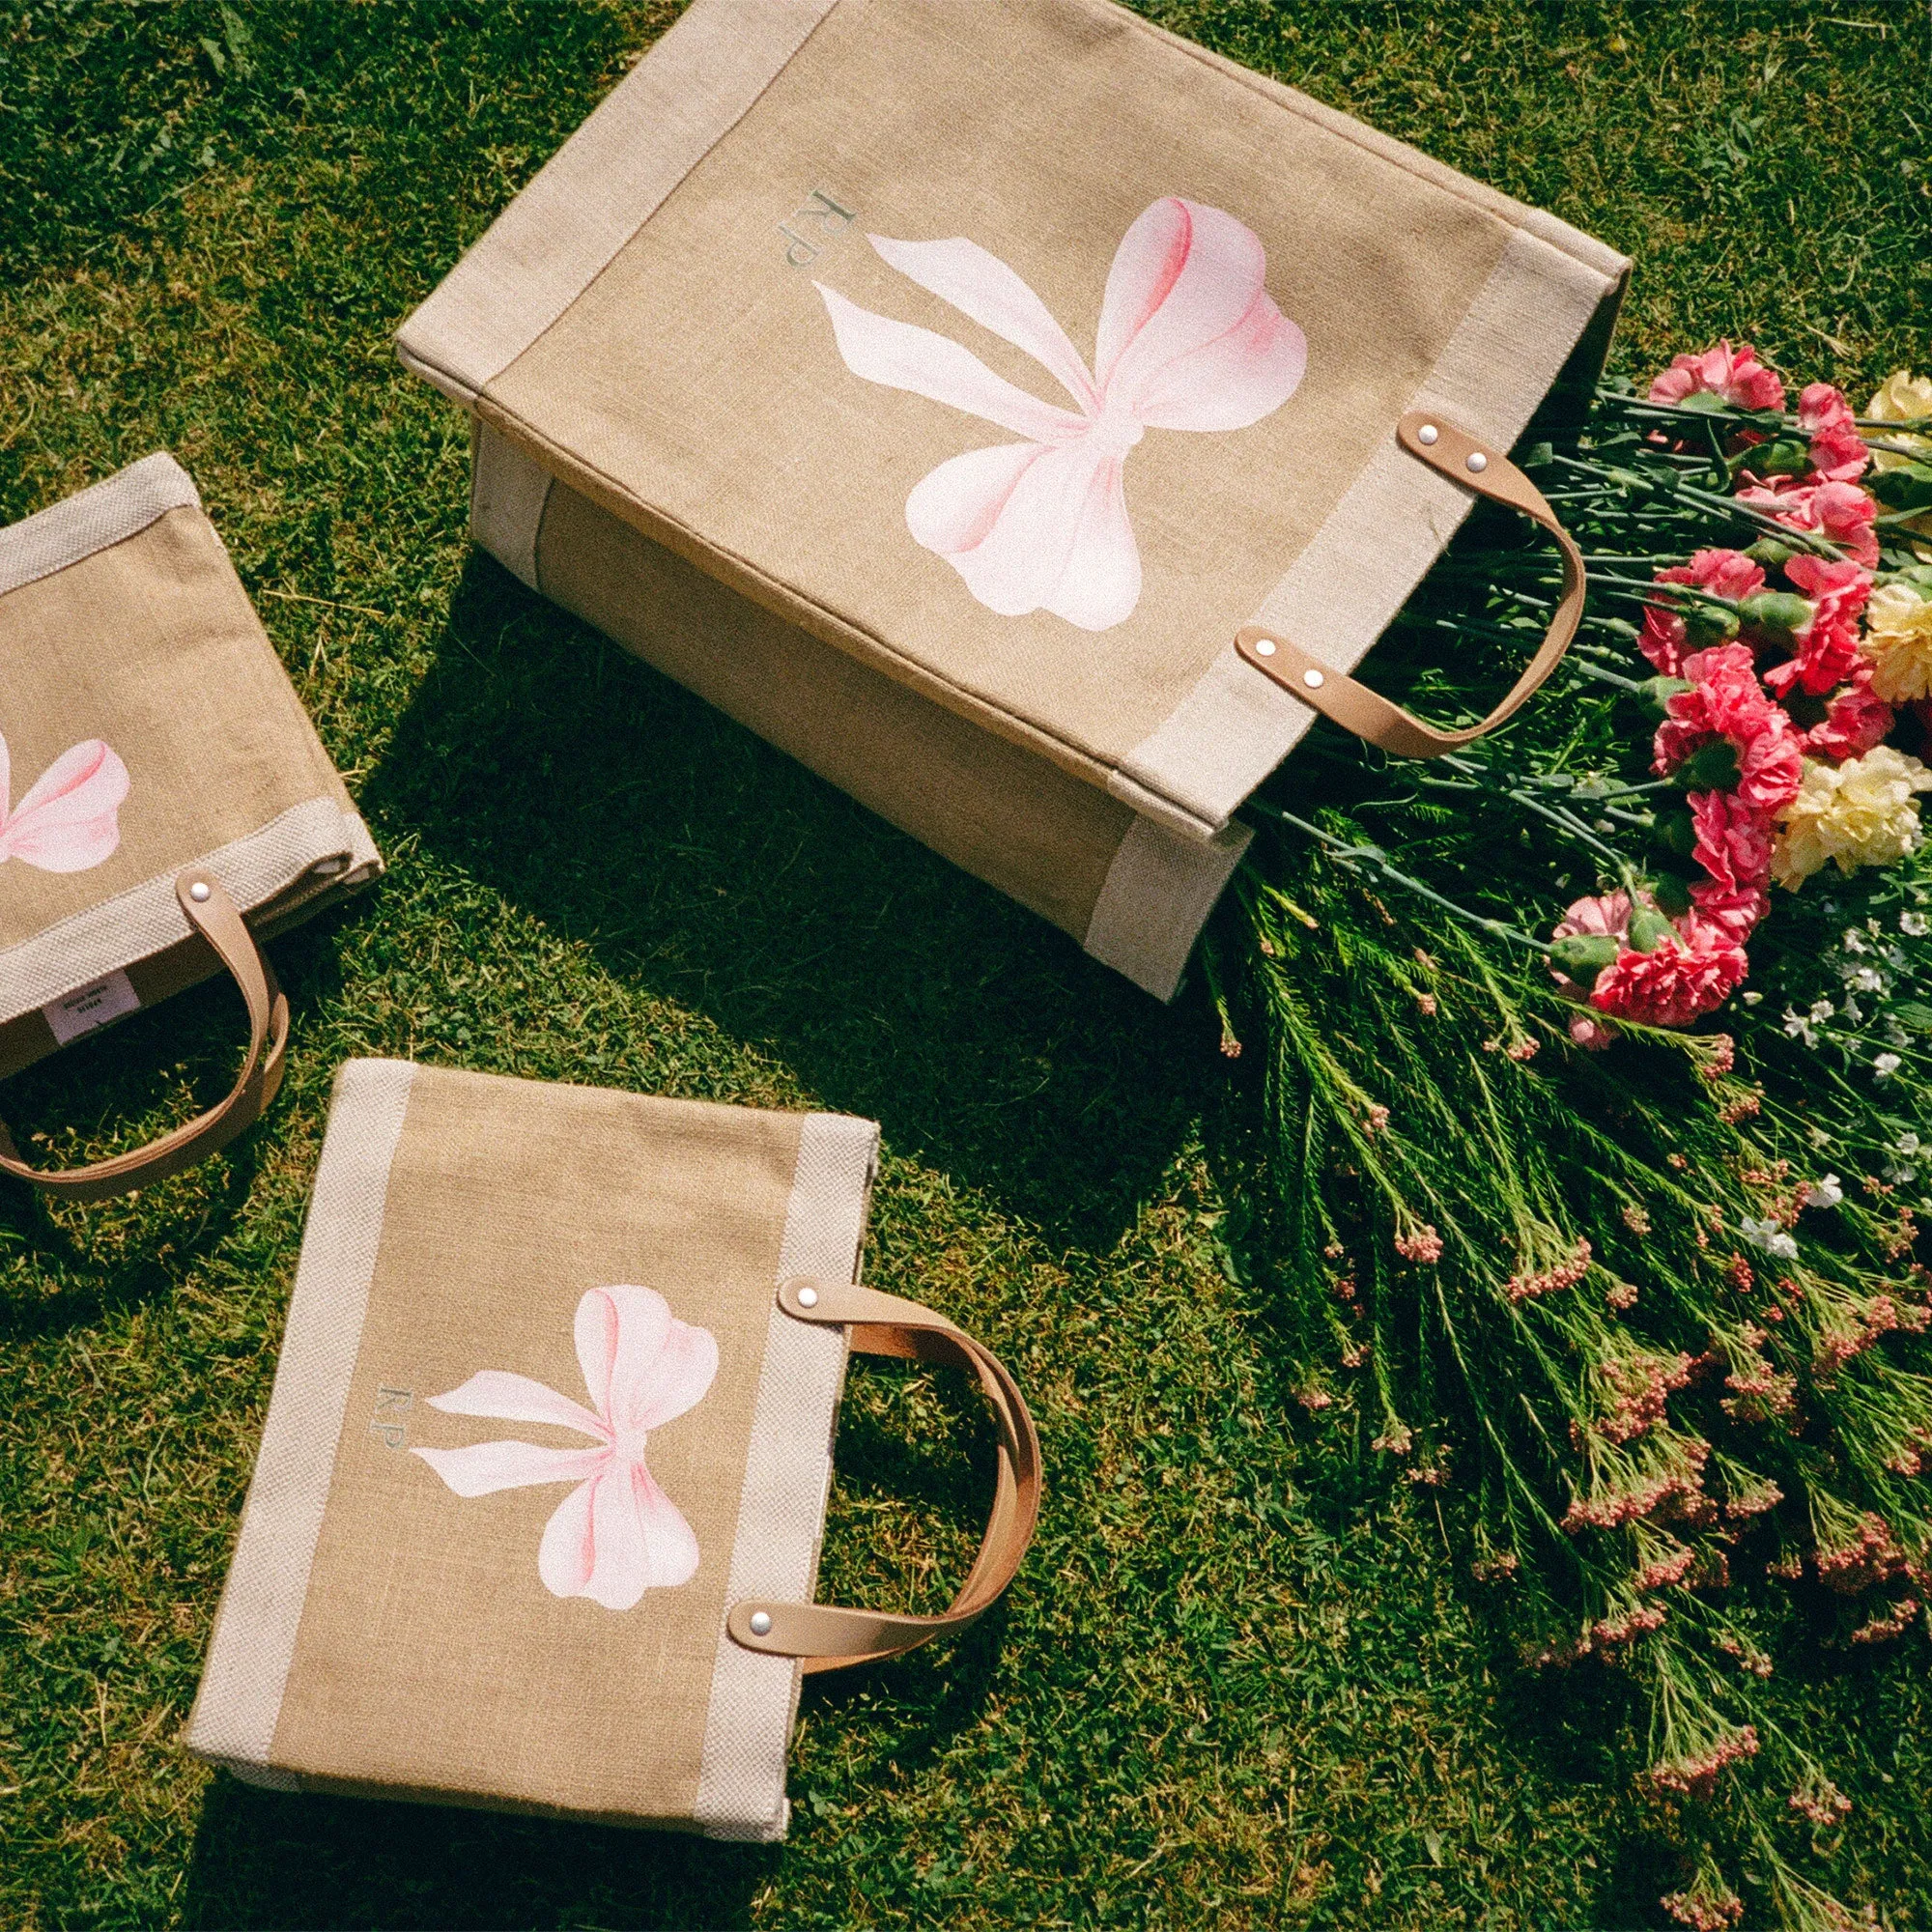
(1189, 339)
(69, 819)
(617, 1534)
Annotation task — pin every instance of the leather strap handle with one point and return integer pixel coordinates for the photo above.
(826, 1638)
(211, 913)
(1358, 709)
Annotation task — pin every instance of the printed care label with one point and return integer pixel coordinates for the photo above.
(91, 1007)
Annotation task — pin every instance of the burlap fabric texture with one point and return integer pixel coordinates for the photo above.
(149, 726)
(1019, 354)
(539, 1423)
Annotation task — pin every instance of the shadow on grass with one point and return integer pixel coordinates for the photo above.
(702, 868)
(126, 1084)
(263, 1857)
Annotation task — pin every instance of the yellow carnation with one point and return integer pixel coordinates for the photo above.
(1898, 642)
(1862, 812)
(1900, 397)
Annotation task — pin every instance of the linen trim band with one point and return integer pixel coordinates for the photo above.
(508, 490)
(741, 1782)
(107, 513)
(255, 1631)
(1232, 730)
(146, 919)
(1158, 893)
(695, 84)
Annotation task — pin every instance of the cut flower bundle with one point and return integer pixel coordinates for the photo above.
(1595, 1063)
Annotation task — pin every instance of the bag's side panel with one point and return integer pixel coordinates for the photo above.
(1132, 893)
(741, 1790)
(240, 1702)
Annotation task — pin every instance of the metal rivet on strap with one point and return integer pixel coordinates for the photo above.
(1428, 433)
(198, 891)
(808, 1297)
(1313, 679)
(761, 1624)
(1264, 647)
(1478, 462)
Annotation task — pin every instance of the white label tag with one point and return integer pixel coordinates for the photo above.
(91, 1007)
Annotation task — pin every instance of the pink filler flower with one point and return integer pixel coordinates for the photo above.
(617, 1534)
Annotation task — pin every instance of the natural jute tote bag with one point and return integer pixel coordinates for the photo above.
(164, 802)
(1091, 387)
(535, 1521)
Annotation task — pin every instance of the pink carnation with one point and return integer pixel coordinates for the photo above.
(1726, 701)
(1733, 838)
(1854, 721)
(1841, 511)
(1734, 910)
(1684, 976)
(1838, 453)
(1734, 374)
(1828, 646)
(1725, 573)
(1606, 918)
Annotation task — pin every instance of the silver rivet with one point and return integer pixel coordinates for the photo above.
(1264, 647)
(1428, 433)
(1477, 463)
(761, 1626)
(808, 1297)
(198, 891)
(1313, 679)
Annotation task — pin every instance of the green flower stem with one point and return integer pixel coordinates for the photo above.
(1375, 857)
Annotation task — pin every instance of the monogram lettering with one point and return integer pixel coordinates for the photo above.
(821, 220)
(385, 1425)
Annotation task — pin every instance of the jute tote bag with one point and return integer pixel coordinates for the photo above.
(164, 802)
(535, 1520)
(1103, 393)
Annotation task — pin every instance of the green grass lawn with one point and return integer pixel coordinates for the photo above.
(1241, 1680)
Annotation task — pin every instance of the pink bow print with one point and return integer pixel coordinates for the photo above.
(617, 1534)
(68, 821)
(1188, 339)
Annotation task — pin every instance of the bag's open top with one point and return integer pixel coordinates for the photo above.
(1021, 349)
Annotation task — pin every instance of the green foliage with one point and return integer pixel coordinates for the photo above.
(1244, 1679)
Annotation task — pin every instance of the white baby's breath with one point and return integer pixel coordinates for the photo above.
(1768, 1236)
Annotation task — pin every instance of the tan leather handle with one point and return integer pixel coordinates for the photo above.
(823, 1636)
(1358, 709)
(211, 913)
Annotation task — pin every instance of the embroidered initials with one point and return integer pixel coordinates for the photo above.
(807, 229)
(386, 1424)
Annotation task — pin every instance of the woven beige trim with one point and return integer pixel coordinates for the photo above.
(108, 512)
(1340, 594)
(1586, 248)
(741, 1782)
(146, 919)
(1159, 893)
(601, 186)
(240, 1702)
(508, 489)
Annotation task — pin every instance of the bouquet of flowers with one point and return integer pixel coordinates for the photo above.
(1595, 1059)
